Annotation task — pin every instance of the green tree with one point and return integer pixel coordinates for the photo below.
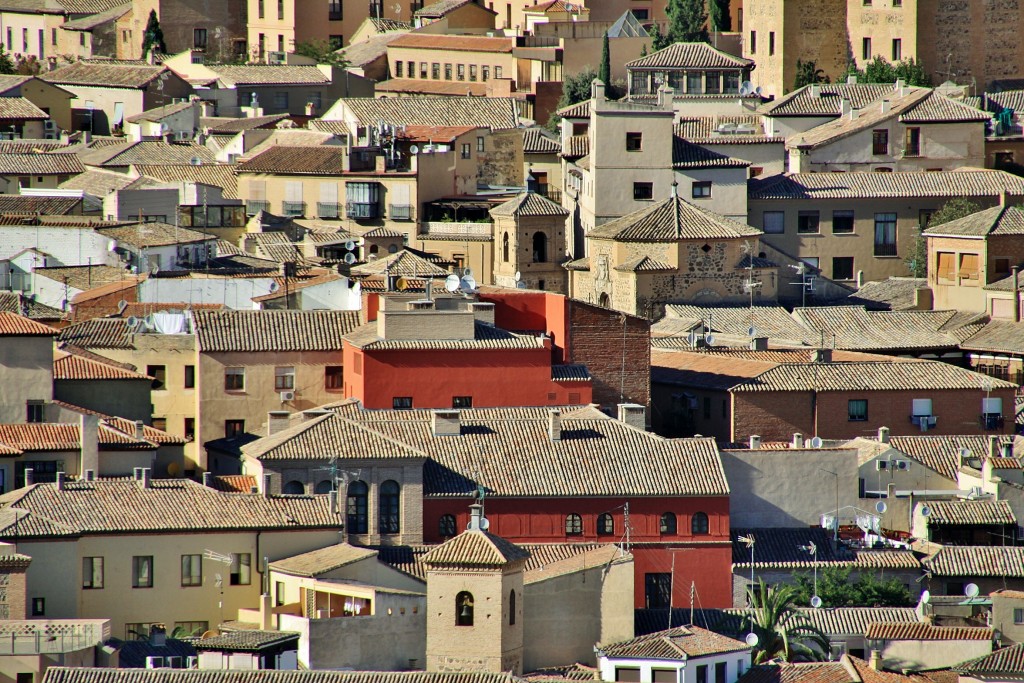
(575, 89)
(720, 18)
(807, 73)
(322, 51)
(782, 632)
(659, 40)
(643, 50)
(837, 590)
(605, 72)
(917, 260)
(880, 70)
(687, 21)
(6, 63)
(153, 38)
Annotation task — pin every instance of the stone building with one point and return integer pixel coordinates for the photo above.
(530, 242)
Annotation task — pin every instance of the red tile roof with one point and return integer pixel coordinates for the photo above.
(72, 366)
(457, 43)
(14, 325)
(922, 631)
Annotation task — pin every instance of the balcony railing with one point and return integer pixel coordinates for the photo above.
(991, 421)
(885, 250)
(293, 208)
(328, 209)
(400, 212)
(452, 229)
(361, 211)
(254, 206)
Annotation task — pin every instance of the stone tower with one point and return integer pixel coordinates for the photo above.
(475, 602)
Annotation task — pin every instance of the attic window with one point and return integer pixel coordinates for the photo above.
(706, 248)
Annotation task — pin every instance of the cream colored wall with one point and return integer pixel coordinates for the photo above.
(960, 293)
(1002, 619)
(475, 254)
(505, 60)
(14, 24)
(26, 374)
(105, 98)
(882, 21)
(915, 655)
(49, 98)
(728, 190)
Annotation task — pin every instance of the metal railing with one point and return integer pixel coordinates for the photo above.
(400, 212)
(254, 206)
(328, 209)
(293, 208)
(885, 250)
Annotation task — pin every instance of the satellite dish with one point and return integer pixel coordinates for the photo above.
(881, 507)
(926, 597)
(350, 245)
(414, 149)
(926, 511)
(816, 442)
(518, 276)
(757, 90)
(965, 453)
(746, 87)
(971, 590)
(451, 283)
(751, 639)
(195, 161)
(274, 287)
(815, 602)
(133, 322)
(709, 339)
(350, 258)
(111, 245)
(468, 283)
(467, 272)
(121, 305)
(751, 331)
(520, 285)
(485, 524)
(402, 284)
(164, 128)
(154, 268)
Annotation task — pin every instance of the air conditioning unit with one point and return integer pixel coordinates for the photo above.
(901, 465)
(49, 124)
(154, 662)
(881, 465)
(287, 396)
(277, 58)
(184, 135)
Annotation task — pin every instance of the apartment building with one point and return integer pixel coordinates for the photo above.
(448, 64)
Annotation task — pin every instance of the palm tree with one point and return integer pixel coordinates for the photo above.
(782, 632)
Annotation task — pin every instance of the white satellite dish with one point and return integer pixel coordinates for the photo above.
(815, 602)
(164, 128)
(133, 322)
(881, 507)
(414, 149)
(751, 639)
(746, 87)
(350, 258)
(971, 590)
(518, 276)
(350, 245)
(111, 245)
(451, 283)
(965, 453)
(751, 331)
(758, 90)
(926, 511)
(520, 285)
(121, 305)
(926, 597)
(274, 287)
(709, 339)
(485, 524)
(195, 161)
(467, 272)
(816, 442)
(468, 283)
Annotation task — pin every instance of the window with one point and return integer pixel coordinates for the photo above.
(657, 590)
(753, 42)
(485, 73)
(323, 487)
(807, 222)
(865, 48)
(24, 40)
(472, 72)
(627, 674)
(423, 70)
(191, 570)
(398, 69)
(694, 83)
(954, 588)
(462, 401)
(842, 267)
(897, 49)
(668, 523)
(969, 268)
(43, 471)
(634, 142)
(335, 10)
(356, 509)
(92, 573)
(467, 151)
(540, 247)
(774, 222)
(880, 142)
(241, 569)
(460, 72)
(260, 8)
(435, 71)
(284, 379)
(293, 488)
(885, 234)
(363, 200)
(233, 428)
(334, 377)
(34, 411)
(190, 377)
(707, 407)
(447, 72)
(701, 189)
(446, 526)
(401, 403)
(280, 10)
(53, 36)
(1018, 615)
(38, 607)
(159, 375)
(390, 498)
(605, 524)
(142, 571)
(234, 379)
(281, 100)
(464, 609)
(136, 631)
(771, 43)
(842, 222)
(699, 523)
(573, 524)
(190, 428)
(857, 409)
(199, 38)
(504, 247)
(480, 144)
(945, 265)
(410, 68)
(643, 191)
(702, 673)
(912, 143)
(512, 608)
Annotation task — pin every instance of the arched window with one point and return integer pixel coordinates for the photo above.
(446, 527)
(464, 609)
(504, 247)
(540, 247)
(324, 486)
(390, 493)
(573, 524)
(512, 608)
(699, 523)
(293, 488)
(374, 249)
(604, 301)
(355, 508)
(605, 524)
(668, 523)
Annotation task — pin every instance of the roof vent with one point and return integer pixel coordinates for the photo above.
(633, 414)
(61, 480)
(759, 344)
(883, 435)
(30, 476)
(798, 440)
(555, 425)
(755, 442)
(446, 423)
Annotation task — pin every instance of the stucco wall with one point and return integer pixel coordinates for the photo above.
(26, 374)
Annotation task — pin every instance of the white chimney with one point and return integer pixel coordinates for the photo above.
(633, 414)
(140, 429)
(30, 476)
(89, 426)
(798, 440)
(476, 512)
(883, 435)
(208, 479)
(555, 425)
(147, 478)
(445, 423)
(755, 442)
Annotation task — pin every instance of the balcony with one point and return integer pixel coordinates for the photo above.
(991, 421)
(293, 208)
(328, 209)
(885, 250)
(54, 636)
(451, 229)
(254, 206)
(400, 212)
(362, 211)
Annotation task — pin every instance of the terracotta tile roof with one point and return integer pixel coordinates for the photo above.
(98, 333)
(425, 87)
(265, 74)
(157, 152)
(475, 549)
(536, 141)
(91, 21)
(436, 10)
(422, 134)
(42, 436)
(83, 277)
(689, 56)
(259, 331)
(854, 327)
(29, 205)
(580, 110)
(486, 337)
(158, 114)
(321, 561)
(1009, 660)
(893, 293)
(578, 146)
(1000, 336)
(868, 376)
(20, 109)
(385, 25)
(219, 125)
(971, 561)
(97, 182)
(375, 47)
(234, 483)
(689, 155)
(40, 164)
(76, 367)
(704, 130)
(82, 675)
(997, 220)
(574, 672)
(847, 670)
(644, 264)
(773, 322)
(828, 100)
(14, 81)
(970, 512)
(404, 262)
(246, 640)
(529, 204)
(109, 75)
(814, 186)
(670, 220)
(781, 549)
(154, 234)
(676, 643)
(151, 434)
(455, 43)
(218, 175)
(319, 160)
(170, 505)
(490, 112)
(15, 325)
(939, 108)
(854, 621)
(942, 453)
(923, 631)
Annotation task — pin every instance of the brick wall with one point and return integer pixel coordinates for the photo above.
(616, 348)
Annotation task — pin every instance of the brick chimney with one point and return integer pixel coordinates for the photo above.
(277, 420)
(445, 423)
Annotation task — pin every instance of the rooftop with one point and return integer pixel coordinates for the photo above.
(491, 112)
(455, 43)
(246, 640)
(681, 642)
(537, 141)
(781, 549)
(1000, 336)
(475, 548)
(315, 160)
(976, 561)
(689, 56)
(40, 164)
(158, 114)
(964, 182)
(278, 330)
(111, 75)
(15, 325)
(321, 561)
(1009, 660)
(826, 99)
(85, 675)
(20, 109)
(154, 234)
(997, 221)
(869, 376)
(670, 220)
(266, 74)
(970, 512)
(529, 204)
(923, 631)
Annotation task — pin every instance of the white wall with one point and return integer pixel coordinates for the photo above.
(736, 664)
(66, 246)
(232, 293)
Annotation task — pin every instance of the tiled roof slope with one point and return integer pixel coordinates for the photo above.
(781, 549)
(529, 204)
(218, 175)
(870, 376)
(971, 512)
(83, 675)
(154, 234)
(98, 333)
(670, 220)
(322, 560)
(1009, 660)
(675, 643)
(493, 112)
(320, 160)
(942, 453)
(170, 505)
(19, 108)
(854, 327)
(40, 164)
(436, 10)
(892, 293)
(997, 220)
(847, 670)
(1004, 336)
(158, 114)
(969, 561)
(105, 75)
(404, 262)
(689, 56)
(535, 141)
(266, 74)
(475, 548)
(773, 322)
(14, 325)
(456, 43)
(826, 99)
(686, 154)
(246, 640)
(923, 631)
(18, 303)
(76, 367)
(257, 331)
(958, 183)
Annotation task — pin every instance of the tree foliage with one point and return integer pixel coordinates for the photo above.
(6, 63)
(322, 51)
(687, 21)
(782, 632)
(881, 70)
(575, 89)
(659, 40)
(153, 38)
(807, 73)
(605, 72)
(837, 590)
(917, 260)
(719, 15)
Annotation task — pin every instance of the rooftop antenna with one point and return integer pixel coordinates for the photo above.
(749, 541)
(812, 549)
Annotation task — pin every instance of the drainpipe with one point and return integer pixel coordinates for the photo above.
(1016, 294)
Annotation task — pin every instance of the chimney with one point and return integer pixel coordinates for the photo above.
(851, 79)
(310, 109)
(876, 660)
(844, 107)
(30, 476)
(266, 485)
(755, 442)
(1004, 198)
(476, 513)
(89, 427)
(332, 496)
(885, 106)
(633, 414)
(136, 473)
(821, 355)
(597, 90)
(266, 613)
(993, 446)
(61, 480)
(208, 479)
(445, 423)
(277, 420)
(1007, 450)
(147, 478)
(815, 90)
(1016, 293)
(898, 85)
(759, 344)
(90, 475)
(140, 429)
(860, 279)
(798, 440)
(555, 425)
(883, 435)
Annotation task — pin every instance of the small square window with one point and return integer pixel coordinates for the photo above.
(643, 191)
(233, 428)
(159, 375)
(634, 142)
(858, 410)
(462, 401)
(234, 379)
(807, 223)
(401, 403)
(38, 607)
(842, 268)
(701, 189)
(1018, 615)
(842, 222)
(774, 222)
(334, 377)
